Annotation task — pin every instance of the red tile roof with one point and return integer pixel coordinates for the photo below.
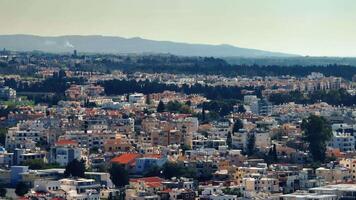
(168, 190)
(66, 142)
(153, 179)
(113, 141)
(152, 156)
(181, 116)
(154, 184)
(125, 158)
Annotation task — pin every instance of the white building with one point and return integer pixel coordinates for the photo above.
(307, 196)
(66, 151)
(138, 98)
(249, 99)
(262, 140)
(80, 189)
(343, 141)
(25, 132)
(350, 163)
(46, 185)
(7, 93)
(220, 129)
(258, 184)
(261, 107)
(215, 193)
(342, 191)
(239, 140)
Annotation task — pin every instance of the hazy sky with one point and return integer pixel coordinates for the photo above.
(307, 27)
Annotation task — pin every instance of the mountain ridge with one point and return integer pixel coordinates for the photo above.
(121, 45)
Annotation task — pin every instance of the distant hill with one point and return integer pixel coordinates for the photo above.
(292, 61)
(108, 44)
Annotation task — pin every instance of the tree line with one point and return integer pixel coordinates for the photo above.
(217, 66)
(119, 87)
(298, 67)
(53, 84)
(332, 97)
